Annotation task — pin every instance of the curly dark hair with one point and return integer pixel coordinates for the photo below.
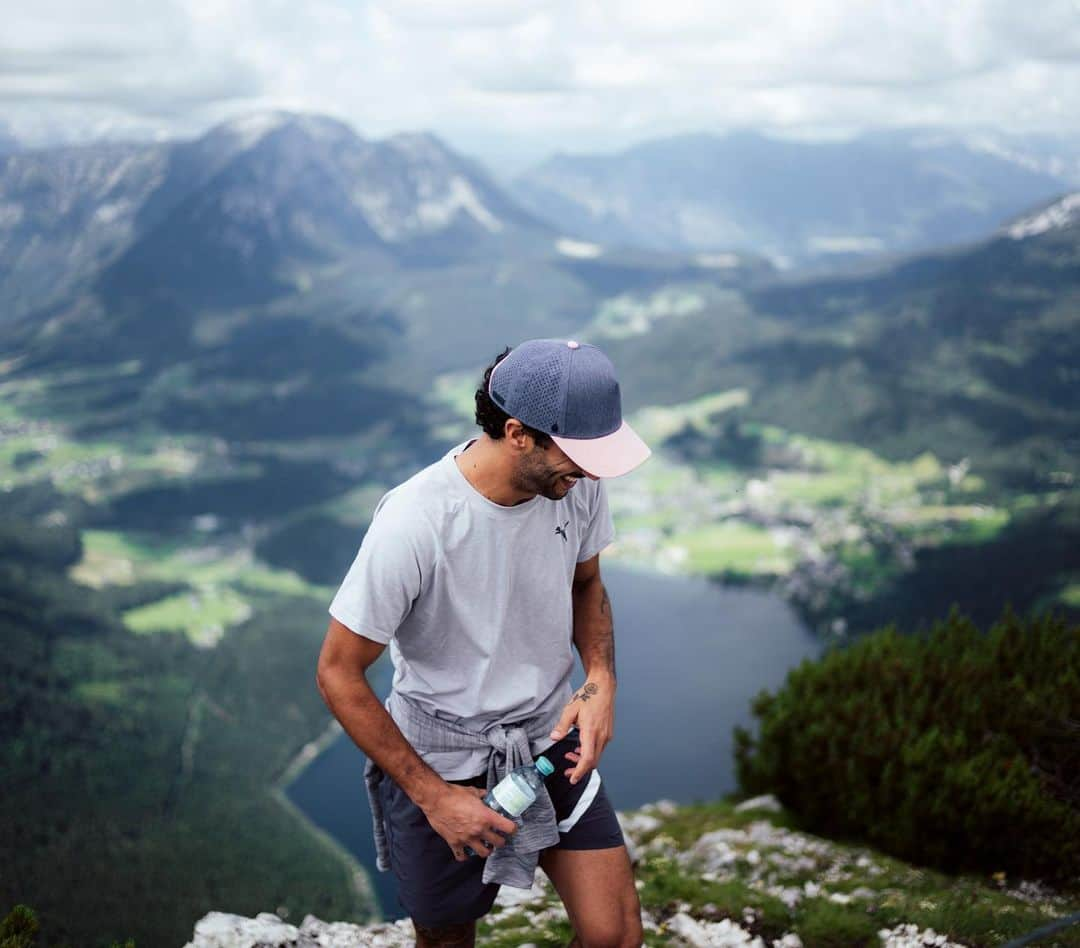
(492, 418)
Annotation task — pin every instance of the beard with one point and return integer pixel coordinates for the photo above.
(535, 476)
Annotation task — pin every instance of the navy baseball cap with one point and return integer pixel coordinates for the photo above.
(568, 390)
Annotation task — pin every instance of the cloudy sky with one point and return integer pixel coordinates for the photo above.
(518, 78)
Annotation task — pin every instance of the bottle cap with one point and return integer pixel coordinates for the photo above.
(545, 766)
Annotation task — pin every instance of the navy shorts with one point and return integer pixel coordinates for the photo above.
(435, 889)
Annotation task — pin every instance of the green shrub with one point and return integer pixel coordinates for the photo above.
(952, 748)
(19, 929)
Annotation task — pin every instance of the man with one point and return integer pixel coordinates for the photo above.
(481, 572)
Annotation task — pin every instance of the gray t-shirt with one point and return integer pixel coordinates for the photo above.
(474, 598)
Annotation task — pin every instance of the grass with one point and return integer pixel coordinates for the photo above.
(357, 505)
(94, 470)
(202, 614)
(830, 489)
(456, 390)
(658, 423)
(628, 315)
(105, 692)
(733, 545)
(959, 523)
(774, 879)
(224, 584)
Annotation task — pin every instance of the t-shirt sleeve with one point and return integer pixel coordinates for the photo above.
(600, 530)
(387, 574)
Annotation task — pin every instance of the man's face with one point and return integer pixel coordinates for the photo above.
(548, 471)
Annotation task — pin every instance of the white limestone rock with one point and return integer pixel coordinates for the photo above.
(909, 936)
(266, 930)
(693, 933)
(766, 802)
(512, 897)
(222, 930)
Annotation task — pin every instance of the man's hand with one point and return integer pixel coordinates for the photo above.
(460, 817)
(593, 710)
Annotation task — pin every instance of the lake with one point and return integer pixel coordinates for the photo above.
(690, 656)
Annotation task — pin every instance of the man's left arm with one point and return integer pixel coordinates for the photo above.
(592, 707)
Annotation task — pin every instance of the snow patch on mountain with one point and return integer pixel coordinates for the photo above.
(459, 195)
(1060, 214)
(578, 248)
(251, 129)
(115, 210)
(419, 146)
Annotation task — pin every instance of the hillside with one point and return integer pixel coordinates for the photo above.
(129, 757)
(732, 874)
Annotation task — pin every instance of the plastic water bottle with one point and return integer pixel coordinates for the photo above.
(516, 792)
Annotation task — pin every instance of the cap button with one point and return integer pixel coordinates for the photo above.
(571, 344)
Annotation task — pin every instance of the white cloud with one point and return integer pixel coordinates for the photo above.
(584, 74)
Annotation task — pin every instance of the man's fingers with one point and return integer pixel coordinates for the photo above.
(583, 767)
(565, 721)
(492, 841)
(496, 820)
(586, 759)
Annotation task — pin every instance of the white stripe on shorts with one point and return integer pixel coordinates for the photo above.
(584, 802)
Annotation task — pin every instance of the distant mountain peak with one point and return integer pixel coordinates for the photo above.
(1056, 216)
(419, 144)
(247, 131)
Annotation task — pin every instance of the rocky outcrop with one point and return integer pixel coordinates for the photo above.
(770, 876)
(221, 930)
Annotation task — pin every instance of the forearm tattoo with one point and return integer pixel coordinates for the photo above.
(587, 691)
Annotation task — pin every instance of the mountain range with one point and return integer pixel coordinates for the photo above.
(286, 251)
(234, 216)
(799, 203)
(215, 354)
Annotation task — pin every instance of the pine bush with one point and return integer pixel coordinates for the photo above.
(951, 748)
(19, 928)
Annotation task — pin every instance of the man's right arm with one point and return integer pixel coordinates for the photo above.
(456, 813)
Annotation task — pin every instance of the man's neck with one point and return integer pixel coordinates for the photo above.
(487, 468)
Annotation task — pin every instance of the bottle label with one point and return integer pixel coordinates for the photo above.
(510, 797)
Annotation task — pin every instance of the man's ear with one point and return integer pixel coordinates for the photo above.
(516, 435)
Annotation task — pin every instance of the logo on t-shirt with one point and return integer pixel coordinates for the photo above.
(561, 531)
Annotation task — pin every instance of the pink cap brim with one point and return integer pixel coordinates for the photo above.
(610, 456)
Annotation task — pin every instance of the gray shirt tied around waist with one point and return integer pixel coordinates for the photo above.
(507, 748)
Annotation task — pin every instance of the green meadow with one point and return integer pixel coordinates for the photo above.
(221, 584)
